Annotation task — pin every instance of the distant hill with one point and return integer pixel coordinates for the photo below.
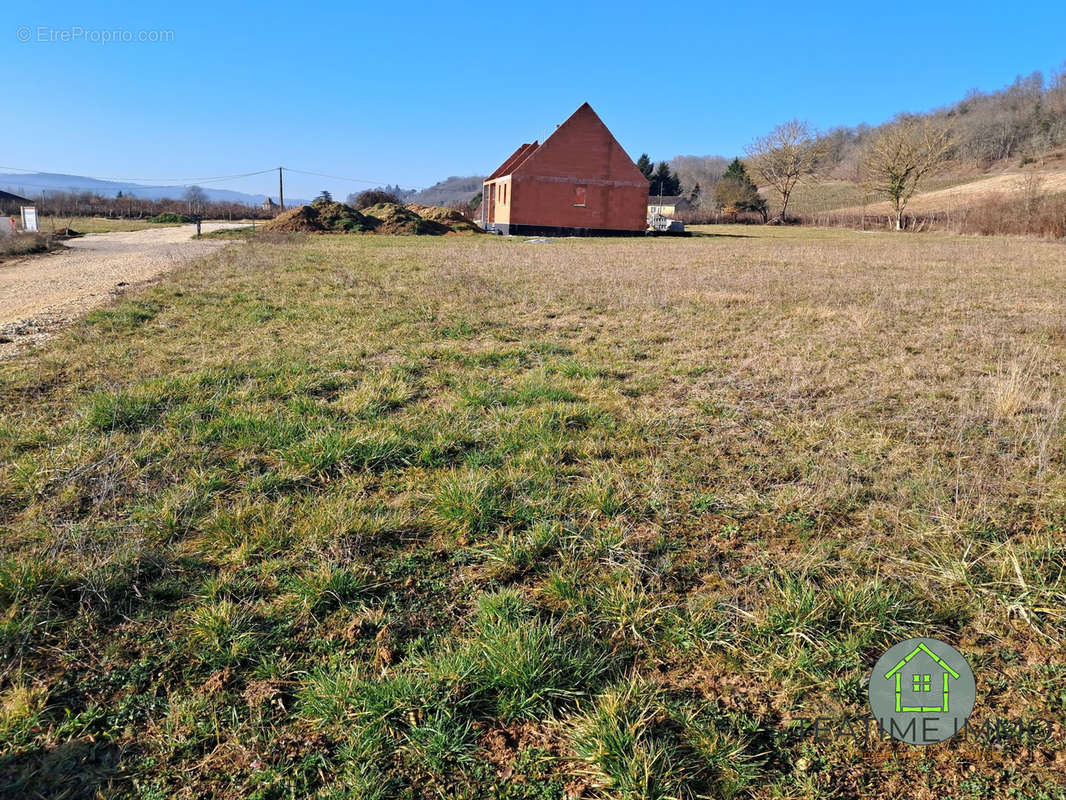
(450, 190)
(32, 184)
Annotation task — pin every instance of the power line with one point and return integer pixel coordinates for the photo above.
(230, 177)
(158, 181)
(176, 183)
(340, 178)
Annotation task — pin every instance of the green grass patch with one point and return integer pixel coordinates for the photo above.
(413, 517)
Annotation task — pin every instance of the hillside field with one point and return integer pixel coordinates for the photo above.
(474, 517)
(955, 188)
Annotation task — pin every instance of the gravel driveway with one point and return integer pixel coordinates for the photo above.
(41, 293)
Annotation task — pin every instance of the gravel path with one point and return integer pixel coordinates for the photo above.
(40, 293)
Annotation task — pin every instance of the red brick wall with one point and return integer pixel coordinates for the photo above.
(580, 152)
(539, 201)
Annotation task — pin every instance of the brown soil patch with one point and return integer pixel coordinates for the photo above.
(321, 217)
(445, 216)
(217, 682)
(261, 693)
(502, 744)
(397, 219)
(297, 220)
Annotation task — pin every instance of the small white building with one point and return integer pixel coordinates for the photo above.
(667, 206)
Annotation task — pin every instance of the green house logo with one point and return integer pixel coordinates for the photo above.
(925, 687)
(922, 691)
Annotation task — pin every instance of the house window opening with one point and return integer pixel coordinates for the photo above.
(921, 683)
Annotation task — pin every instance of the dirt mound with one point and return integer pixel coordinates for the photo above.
(297, 220)
(445, 216)
(396, 219)
(328, 217)
(342, 218)
(321, 217)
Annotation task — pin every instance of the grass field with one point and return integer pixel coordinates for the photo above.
(474, 517)
(100, 224)
(95, 224)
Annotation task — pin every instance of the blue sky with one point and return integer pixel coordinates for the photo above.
(413, 92)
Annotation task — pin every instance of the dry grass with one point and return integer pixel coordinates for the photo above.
(24, 244)
(96, 224)
(846, 197)
(480, 517)
(93, 224)
(973, 193)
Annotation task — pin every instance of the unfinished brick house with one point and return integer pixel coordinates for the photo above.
(580, 182)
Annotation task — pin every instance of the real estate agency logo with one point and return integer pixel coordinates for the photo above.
(922, 691)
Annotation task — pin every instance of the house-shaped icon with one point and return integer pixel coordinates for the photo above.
(922, 678)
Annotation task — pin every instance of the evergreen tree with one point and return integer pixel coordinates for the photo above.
(664, 182)
(737, 192)
(695, 195)
(645, 166)
(325, 196)
(736, 171)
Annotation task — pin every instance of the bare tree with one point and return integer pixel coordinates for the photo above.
(901, 156)
(196, 198)
(785, 156)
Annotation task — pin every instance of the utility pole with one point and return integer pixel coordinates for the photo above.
(281, 190)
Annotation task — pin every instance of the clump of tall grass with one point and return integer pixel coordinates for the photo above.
(1011, 390)
(222, 633)
(507, 665)
(325, 587)
(640, 745)
(470, 503)
(520, 667)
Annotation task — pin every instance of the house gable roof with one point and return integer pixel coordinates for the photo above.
(516, 157)
(582, 130)
(14, 198)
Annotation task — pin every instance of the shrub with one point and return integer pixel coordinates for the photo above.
(371, 197)
(169, 217)
(1029, 212)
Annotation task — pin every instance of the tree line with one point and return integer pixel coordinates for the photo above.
(892, 164)
(128, 206)
(1025, 121)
